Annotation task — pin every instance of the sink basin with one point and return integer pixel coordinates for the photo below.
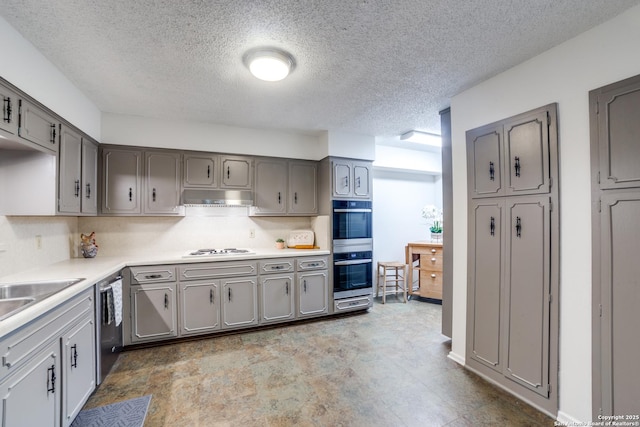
(18, 296)
(12, 306)
(35, 289)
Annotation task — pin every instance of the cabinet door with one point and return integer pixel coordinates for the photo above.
(361, 180)
(31, 396)
(69, 175)
(277, 298)
(121, 182)
(78, 368)
(237, 172)
(303, 188)
(484, 292)
(38, 126)
(162, 184)
(200, 170)
(527, 153)
(89, 204)
(200, 307)
(341, 179)
(313, 291)
(239, 302)
(9, 122)
(618, 130)
(271, 186)
(484, 158)
(153, 312)
(527, 293)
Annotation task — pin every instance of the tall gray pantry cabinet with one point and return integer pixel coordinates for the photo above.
(615, 183)
(513, 277)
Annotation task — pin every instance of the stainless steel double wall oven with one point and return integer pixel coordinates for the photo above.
(352, 250)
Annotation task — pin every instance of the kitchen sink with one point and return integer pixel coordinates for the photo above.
(18, 296)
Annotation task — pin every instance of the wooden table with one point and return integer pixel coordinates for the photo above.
(426, 258)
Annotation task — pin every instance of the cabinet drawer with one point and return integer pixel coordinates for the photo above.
(431, 284)
(310, 263)
(21, 344)
(217, 269)
(431, 262)
(153, 274)
(355, 303)
(275, 266)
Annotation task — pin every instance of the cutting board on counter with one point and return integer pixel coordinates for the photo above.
(301, 239)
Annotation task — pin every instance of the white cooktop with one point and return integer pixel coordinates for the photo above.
(223, 252)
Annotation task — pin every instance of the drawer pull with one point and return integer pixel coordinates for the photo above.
(153, 276)
(433, 260)
(433, 251)
(433, 276)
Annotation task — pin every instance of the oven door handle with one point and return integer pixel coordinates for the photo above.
(352, 210)
(353, 262)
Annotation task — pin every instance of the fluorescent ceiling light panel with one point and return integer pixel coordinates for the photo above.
(422, 138)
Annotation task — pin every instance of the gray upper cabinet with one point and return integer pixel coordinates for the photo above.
(303, 188)
(38, 126)
(237, 172)
(351, 179)
(511, 157)
(285, 187)
(121, 181)
(201, 170)
(10, 106)
(70, 171)
(271, 187)
(618, 127)
(77, 180)
(484, 148)
(162, 183)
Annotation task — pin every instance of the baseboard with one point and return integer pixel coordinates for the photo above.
(456, 358)
(565, 419)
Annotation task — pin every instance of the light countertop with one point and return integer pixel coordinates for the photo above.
(95, 269)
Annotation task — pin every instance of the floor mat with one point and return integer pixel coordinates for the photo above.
(129, 413)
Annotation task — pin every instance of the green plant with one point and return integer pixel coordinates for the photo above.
(436, 227)
(280, 240)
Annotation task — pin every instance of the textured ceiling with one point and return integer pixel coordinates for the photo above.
(372, 67)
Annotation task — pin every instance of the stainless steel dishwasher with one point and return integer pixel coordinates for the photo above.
(109, 324)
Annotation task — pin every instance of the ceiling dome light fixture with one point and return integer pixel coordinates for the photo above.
(269, 64)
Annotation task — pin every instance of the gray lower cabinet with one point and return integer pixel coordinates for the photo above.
(199, 307)
(239, 302)
(78, 367)
(78, 173)
(313, 293)
(277, 298)
(153, 312)
(48, 366)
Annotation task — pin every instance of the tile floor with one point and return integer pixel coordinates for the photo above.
(384, 367)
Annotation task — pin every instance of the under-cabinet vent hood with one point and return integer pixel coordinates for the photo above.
(214, 198)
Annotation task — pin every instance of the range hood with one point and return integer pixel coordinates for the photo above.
(214, 198)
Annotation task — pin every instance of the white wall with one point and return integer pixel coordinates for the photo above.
(348, 144)
(148, 132)
(26, 68)
(564, 74)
